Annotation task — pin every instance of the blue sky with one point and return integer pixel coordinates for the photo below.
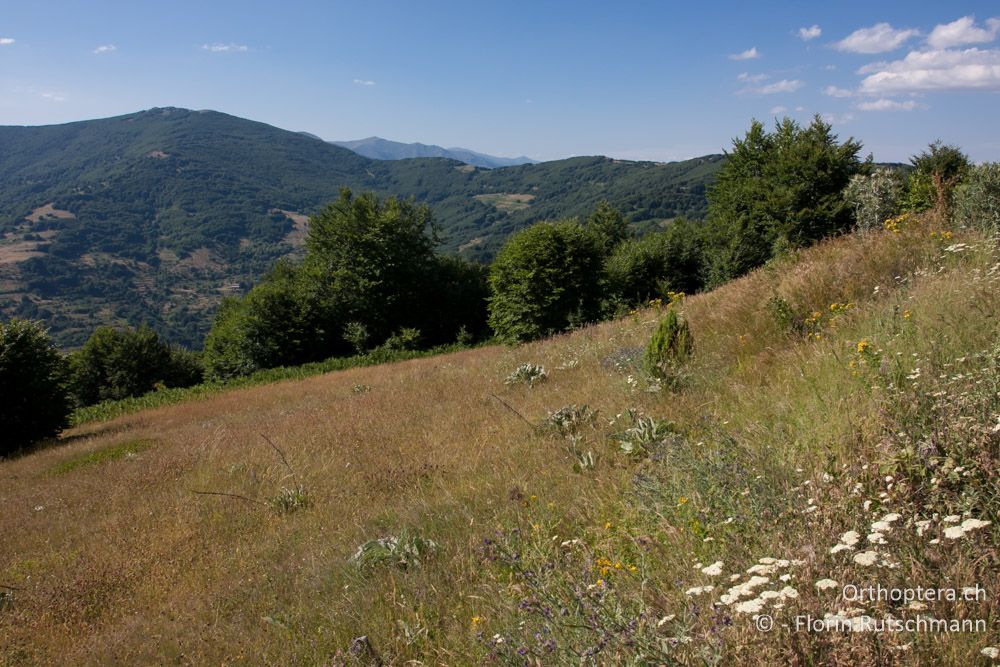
(637, 80)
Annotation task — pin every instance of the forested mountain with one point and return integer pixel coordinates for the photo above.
(378, 148)
(152, 217)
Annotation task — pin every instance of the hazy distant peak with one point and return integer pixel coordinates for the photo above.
(378, 148)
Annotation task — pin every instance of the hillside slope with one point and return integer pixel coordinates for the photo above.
(852, 387)
(153, 217)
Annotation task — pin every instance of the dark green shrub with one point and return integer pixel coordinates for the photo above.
(33, 398)
(670, 346)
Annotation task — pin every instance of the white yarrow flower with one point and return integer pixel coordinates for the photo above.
(713, 570)
(866, 558)
(850, 538)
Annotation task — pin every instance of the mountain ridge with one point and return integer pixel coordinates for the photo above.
(378, 148)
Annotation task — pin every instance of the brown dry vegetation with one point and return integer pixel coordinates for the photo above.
(49, 211)
(508, 201)
(117, 560)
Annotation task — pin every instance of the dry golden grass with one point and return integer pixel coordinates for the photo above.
(117, 560)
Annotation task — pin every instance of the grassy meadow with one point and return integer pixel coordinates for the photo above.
(838, 423)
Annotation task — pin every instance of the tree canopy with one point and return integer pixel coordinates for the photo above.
(778, 189)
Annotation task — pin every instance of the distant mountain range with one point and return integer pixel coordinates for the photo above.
(378, 148)
(154, 217)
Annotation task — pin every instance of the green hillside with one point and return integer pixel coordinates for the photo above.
(153, 217)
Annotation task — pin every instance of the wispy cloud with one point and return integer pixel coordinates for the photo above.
(837, 118)
(812, 32)
(783, 86)
(225, 48)
(751, 78)
(6, 41)
(778, 109)
(749, 54)
(834, 91)
(963, 31)
(364, 82)
(54, 97)
(878, 38)
(105, 48)
(937, 70)
(885, 104)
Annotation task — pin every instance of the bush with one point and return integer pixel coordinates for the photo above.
(670, 346)
(977, 201)
(115, 364)
(33, 398)
(875, 197)
(545, 280)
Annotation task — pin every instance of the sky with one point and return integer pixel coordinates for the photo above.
(629, 79)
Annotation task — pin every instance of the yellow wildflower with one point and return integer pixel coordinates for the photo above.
(907, 314)
(863, 345)
(607, 526)
(682, 500)
(476, 620)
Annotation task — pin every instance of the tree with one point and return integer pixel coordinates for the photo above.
(642, 269)
(369, 261)
(936, 173)
(370, 273)
(118, 363)
(33, 398)
(780, 189)
(609, 225)
(546, 279)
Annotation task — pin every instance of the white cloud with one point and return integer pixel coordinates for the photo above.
(812, 32)
(834, 91)
(963, 31)
(225, 48)
(751, 78)
(364, 82)
(783, 86)
(778, 109)
(884, 104)
(6, 41)
(837, 118)
(800, 108)
(105, 48)
(749, 54)
(54, 97)
(879, 38)
(947, 69)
